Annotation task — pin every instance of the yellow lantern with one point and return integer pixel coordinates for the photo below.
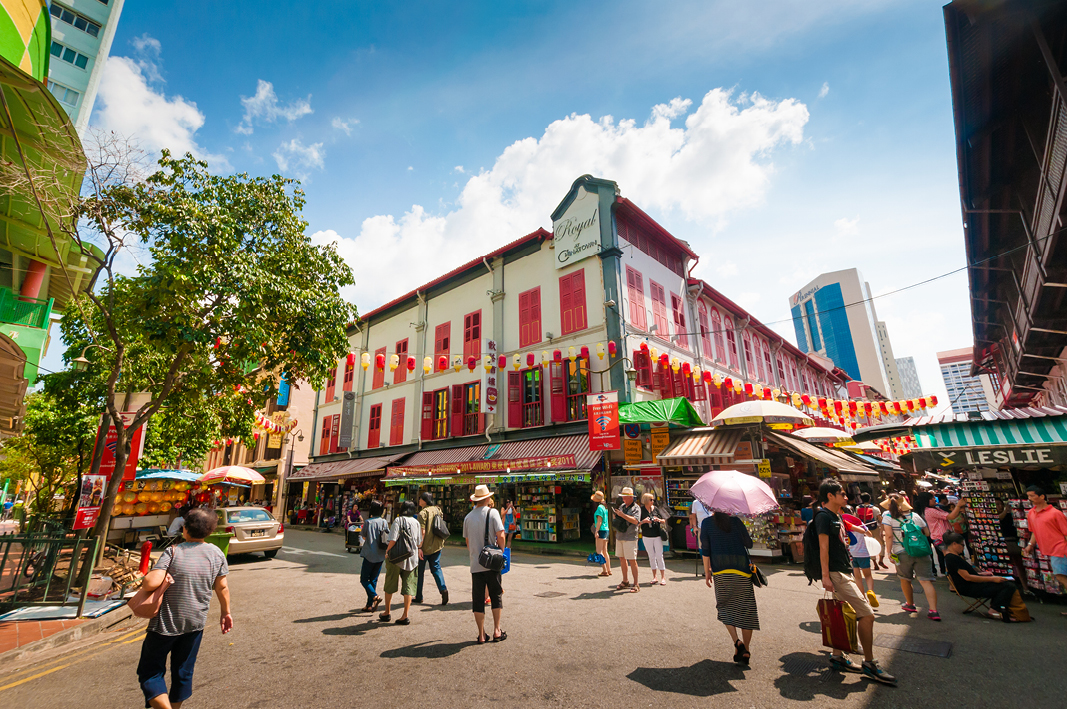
(130, 497)
(600, 350)
(675, 364)
(457, 363)
(140, 508)
(653, 353)
(364, 359)
(394, 362)
(696, 373)
(796, 400)
(738, 386)
(165, 507)
(775, 393)
(716, 379)
(488, 363)
(572, 353)
(545, 359)
(516, 362)
(427, 365)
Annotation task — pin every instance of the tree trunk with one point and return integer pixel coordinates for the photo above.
(121, 451)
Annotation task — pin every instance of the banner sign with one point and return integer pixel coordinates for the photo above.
(632, 451)
(92, 494)
(602, 411)
(348, 414)
(110, 442)
(490, 479)
(486, 466)
(490, 380)
(661, 438)
(1034, 456)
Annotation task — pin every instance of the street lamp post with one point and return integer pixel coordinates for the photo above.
(631, 373)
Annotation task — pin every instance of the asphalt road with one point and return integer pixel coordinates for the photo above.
(299, 641)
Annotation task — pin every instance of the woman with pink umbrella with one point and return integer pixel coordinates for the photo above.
(724, 545)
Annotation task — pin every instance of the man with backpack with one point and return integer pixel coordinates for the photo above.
(907, 537)
(826, 559)
(432, 523)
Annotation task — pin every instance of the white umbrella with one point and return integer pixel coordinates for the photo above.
(762, 412)
(825, 434)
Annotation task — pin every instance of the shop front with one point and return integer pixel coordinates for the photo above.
(549, 480)
(323, 493)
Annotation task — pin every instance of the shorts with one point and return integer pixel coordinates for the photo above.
(626, 549)
(913, 567)
(845, 589)
(861, 562)
(1059, 565)
(602, 534)
(396, 579)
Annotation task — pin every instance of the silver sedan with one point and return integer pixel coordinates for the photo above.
(253, 529)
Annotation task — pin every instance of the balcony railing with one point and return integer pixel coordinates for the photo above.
(31, 312)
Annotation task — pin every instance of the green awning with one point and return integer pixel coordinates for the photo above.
(678, 412)
(986, 434)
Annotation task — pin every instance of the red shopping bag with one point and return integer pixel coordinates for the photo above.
(838, 625)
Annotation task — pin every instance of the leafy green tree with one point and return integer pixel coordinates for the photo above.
(231, 281)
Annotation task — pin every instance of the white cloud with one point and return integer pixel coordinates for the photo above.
(726, 269)
(299, 158)
(264, 107)
(717, 161)
(410, 168)
(847, 227)
(459, 169)
(824, 90)
(344, 124)
(130, 105)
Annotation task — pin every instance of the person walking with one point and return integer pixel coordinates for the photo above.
(197, 569)
(400, 573)
(1048, 532)
(375, 529)
(430, 551)
(836, 568)
(897, 516)
(511, 522)
(626, 539)
(724, 545)
(861, 559)
(600, 531)
(651, 524)
(697, 514)
(480, 524)
(872, 520)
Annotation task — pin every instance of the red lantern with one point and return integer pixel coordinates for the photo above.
(502, 362)
(471, 363)
(883, 407)
(922, 402)
(686, 369)
(557, 356)
(530, 359)
(255, 436)
(806, 399)
(838, 406)
(933, 400)
(748, 388)
(867, 407)
(767, 393)
(379, 362)
(707, 377)
(442, 363)
(613, 349)
(584, 352)
(644, 347)
(728, 382)
(853, 406)
(350, 360)
(411, 364)
(664, 360)
(822, 403)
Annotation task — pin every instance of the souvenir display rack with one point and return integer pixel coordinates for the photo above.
(678, 498)
(570, 524)
(764, 533)
(1038, 571)
(540, 512)
(988, 550)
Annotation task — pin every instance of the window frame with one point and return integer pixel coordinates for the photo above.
(378, 381)
(731, 342)
(635, 296)
(472, 335)
(441, 344)
(527, 321)
(720, 340)
(396, 428)
(401, 374)
(572, 318)
(576, 399)
(678, 315)
(439, 425)
(659, 310)
(533, 412)
(374, 432)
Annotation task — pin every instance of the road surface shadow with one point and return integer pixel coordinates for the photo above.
(428, 649)
(595, 595)
(354, 629)
(326, 618)
(807, 675)
(703, 679)
(452, 606)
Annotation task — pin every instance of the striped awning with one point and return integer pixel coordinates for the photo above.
(700, 447)
(338, 469)
(541, 455)
(820, 455)
(992, 434)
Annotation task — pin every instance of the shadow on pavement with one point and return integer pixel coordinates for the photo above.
(704, 679)
(808, 675)
(354, 629)
(428, 649)
(326, 618)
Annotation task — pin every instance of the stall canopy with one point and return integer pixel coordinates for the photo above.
(848, 467)
(879, 463)
(678, 412)
(157, 474)
(337, 469)
(560, 458)
(703, 446)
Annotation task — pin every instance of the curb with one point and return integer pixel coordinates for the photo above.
(81, 631)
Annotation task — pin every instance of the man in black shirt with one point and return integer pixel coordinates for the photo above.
(837, 578)
(999, 589)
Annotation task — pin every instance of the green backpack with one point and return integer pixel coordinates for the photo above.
(912, 538)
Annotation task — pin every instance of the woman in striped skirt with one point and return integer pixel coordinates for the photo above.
(724, 544)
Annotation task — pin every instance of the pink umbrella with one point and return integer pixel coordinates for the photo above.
(734, 492)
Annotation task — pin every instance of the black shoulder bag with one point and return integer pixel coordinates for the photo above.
(620, 524)
(491, 556)
(404, 546)
(438, 526)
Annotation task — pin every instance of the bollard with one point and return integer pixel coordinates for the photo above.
(146, 557)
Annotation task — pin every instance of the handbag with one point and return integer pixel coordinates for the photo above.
(146, 604)
(491, 556)
(383, 539)
(619, 524)
(838, 622)
(403, 548)
(758, 579)
(439, 527)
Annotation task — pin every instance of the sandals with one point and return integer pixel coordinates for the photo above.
(403, 621)
(622, 585)
(663, 582)
(483, 638)
(603, 573)
(384, 617)
(741, 653)
(636, 588)
(500, 638)
(374, 604)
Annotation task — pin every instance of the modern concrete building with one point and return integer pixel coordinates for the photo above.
(965, 393)
(82, 32)
(834, 315)
(909, 378)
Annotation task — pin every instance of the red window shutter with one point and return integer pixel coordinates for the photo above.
(401, 373)
(324, 437)
(659, 310)
(331, 385)
(666, 388)
(335, 432)
(715, 399)
(565, 305)
(524, 319)
(643, 367)
(379, 374)
(442, 335)
(530, 317)
(472, 335)
(396, 423)
(635, 293)
(678, 383)
(578, 300)
(350, 369)
(374, 430)
(515, 399)
(678, 313)
(427, 416)
(459, 407)
(700, 391)
(557, 392)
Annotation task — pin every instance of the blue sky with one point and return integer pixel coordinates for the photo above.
(781, 139)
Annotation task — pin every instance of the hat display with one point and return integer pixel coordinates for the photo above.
(627, 492)
(597, 496)
(480, 493)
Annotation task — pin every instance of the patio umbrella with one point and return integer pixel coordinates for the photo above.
(825, 434)
(232, 474)
(761, 412)
(734, 492)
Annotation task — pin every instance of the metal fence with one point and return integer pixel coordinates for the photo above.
(42, 569)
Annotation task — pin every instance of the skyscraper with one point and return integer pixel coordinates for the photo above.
(909, 378)
(834, 315)
(82, 31)
(965, 393)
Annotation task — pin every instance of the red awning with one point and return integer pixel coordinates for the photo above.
(540, 454)
(337, 469)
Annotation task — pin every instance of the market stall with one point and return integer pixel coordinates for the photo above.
(149, 502)
(329, 489)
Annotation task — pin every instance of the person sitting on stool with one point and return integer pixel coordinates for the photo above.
(1002, 591)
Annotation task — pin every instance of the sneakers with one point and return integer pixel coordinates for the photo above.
(871, 670)
(844, 663)
(872, 599)
(933, 615)
(909, 608)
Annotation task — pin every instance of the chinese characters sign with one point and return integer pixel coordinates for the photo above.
(490, 380)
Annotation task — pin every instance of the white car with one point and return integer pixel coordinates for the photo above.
(253, 529)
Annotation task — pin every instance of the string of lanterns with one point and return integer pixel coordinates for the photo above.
(443, 362)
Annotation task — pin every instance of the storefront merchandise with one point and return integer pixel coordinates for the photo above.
(1038, 570)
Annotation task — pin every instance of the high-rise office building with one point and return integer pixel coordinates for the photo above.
(909, 378)
(834, 315)
(965, 393)
(82, 31)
